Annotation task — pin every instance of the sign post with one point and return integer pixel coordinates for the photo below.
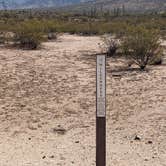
(101, 110)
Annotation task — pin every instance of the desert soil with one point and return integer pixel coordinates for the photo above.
(47, 107)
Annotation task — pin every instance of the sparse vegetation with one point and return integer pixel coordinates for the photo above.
(111, 45)
(158, 59)
(32, 26)
(141, 45)
(29, 34)
(2, 38)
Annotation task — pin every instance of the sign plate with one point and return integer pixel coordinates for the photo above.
(101, 85)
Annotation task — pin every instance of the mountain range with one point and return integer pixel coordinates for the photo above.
(134, 5)
(18, 4)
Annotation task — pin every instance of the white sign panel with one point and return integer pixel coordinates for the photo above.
(101, 85)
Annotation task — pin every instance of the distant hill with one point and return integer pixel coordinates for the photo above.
(130, 5)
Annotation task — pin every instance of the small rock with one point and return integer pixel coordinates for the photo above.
(22, 105)
(137, 138)
(77, 142)
(32, 127)
(43, 157)
(59, 130)
(150, 142)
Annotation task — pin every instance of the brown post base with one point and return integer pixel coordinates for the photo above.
(100, 141)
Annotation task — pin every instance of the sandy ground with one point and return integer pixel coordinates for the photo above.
(47, 108)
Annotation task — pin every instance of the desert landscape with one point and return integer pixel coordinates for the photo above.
(48, 107)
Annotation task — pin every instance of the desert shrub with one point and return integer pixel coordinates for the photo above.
(2, 38)
(29, 34)
(6, 37)
(157, 60)
(52, 36)
(141, 45)
(50, 28)
(111, 45)
(88, 29)
(29, 41)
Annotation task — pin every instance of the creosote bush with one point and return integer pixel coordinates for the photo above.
(29, 35)
(141, 45)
